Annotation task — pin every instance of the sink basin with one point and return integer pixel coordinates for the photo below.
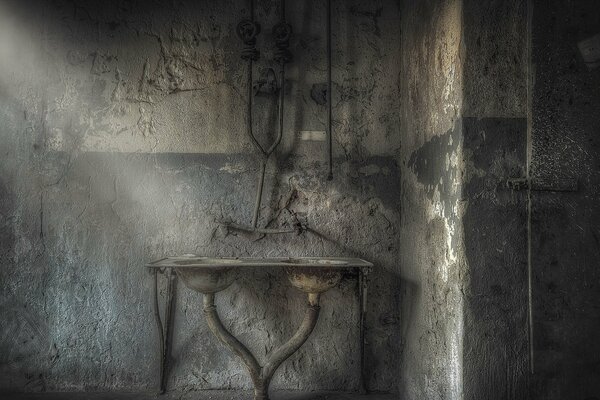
(213, 274)
(316, 279)
(206, 274)
(209, 275)
(206, 261)
(207, 279)
(316, 261)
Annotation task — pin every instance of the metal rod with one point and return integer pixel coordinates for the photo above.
(168, 326)
(159, 325)
(362, 298)
(249, 82)
(267, 153)
(282, 353)
(282, 44)
(530, 77)
(266, 231)
(329, 96)
(216, 326)
(249, 130)
(259, 191)
(280, 113)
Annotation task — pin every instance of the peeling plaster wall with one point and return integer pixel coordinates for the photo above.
(431, 254)
(463, 235)
(122, 140)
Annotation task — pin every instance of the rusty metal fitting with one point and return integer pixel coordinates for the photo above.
(248, 30)
(283, 56)
(282, 33)
(250, 53)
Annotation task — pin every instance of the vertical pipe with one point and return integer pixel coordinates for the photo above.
(528, 175)
(161, 336)
(249, 86)
(362, 298)
(168, 326)
(259, 190)
(329, 96)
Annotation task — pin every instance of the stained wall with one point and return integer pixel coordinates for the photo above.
(565, 213)
(122, 140)
(464, 232)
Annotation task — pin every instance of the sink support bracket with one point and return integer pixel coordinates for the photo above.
(262, 375)
(165, 331)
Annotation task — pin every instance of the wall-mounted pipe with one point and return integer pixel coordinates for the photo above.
(248, 30)
(261, 375)
(329, 96)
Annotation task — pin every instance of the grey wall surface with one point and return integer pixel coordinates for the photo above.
(122, 141)
(432, 259)
(514, 120)
(495, 219)
(463, 235)
(565, 224)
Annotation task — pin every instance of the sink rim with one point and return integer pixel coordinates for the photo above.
(249, 262)
(206, 261)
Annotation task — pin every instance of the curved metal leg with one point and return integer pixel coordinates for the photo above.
(261, 375)
(164, 331)
(161, 335)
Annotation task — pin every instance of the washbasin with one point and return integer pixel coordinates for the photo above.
(316, 261)
(206, 274)
(214, 274)
(209, 275)
(206, 261)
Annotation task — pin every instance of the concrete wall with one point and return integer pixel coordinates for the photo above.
(565, 233)
(122, 141)
(466, 329)
(432, 257)
(495, 220)
(464, 241)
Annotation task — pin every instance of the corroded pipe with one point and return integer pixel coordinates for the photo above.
(283, 352)
(329, 95)
(262, 375)
(161, 334)
(259, 191)
(217, 328)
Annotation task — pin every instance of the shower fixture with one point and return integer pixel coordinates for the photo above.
(248, 30)
(268, 83)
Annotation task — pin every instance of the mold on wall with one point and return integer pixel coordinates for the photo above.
(122, 131)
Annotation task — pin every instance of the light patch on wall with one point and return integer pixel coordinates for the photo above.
(232, 168)
(449, 35)
(313, 136)
(456, 352)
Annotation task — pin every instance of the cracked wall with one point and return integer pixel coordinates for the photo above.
(123, 141)
(431, 157)
(463, 235)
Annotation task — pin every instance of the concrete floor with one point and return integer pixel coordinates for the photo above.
(203, 395)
